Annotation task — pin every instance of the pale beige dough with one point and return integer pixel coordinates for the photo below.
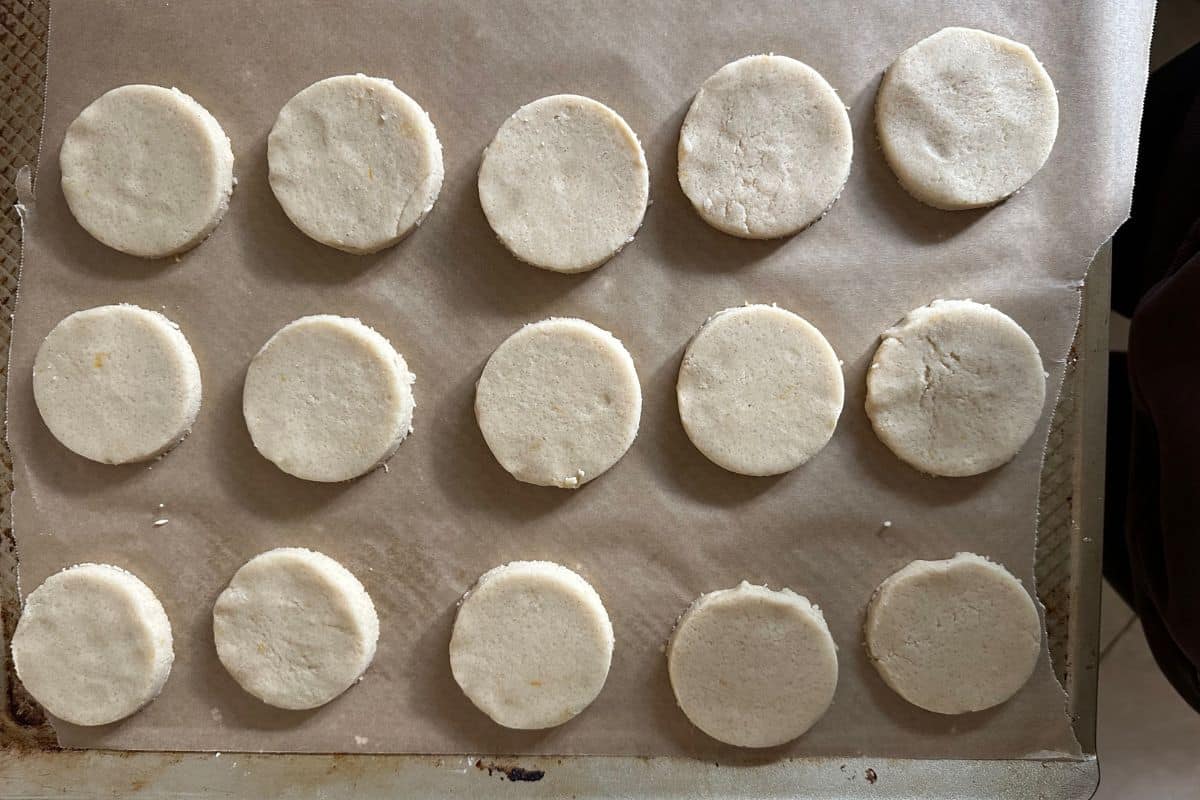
(966, 118)
(117, 384)
(956, 388)
(753, 667)
(953, 636)
(355, 162)
(147, 170)
(531, 645)
(328, 399)
(295, 628)
(559, 402)
(564, 184)
(765, 148)
(93, 644)
(760, 390)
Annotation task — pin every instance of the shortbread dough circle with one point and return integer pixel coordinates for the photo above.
(559, 402)
(956, 388)
(953, 636)
(295, 628)
(760, 390)
(531, 645)
(355, 162)
(753, 667)
(328, 398)
(147, 170)
(93, 644)
(966, 118)
(117, 384)
(564, 184)
(765, 148)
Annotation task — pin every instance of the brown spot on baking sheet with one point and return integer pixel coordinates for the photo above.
(510, 772)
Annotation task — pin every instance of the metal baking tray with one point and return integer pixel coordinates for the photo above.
(1068, 584)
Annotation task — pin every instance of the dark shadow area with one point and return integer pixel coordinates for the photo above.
(679, 464)
(670, 721)
(684, 241)
(75, 248)
(927, 724)
(252, 479)
(451, 710)
(884, 467)
(484, 275)
(239, 708)
(275, 247)
(70, 473)
(470, 474)
(890, 202)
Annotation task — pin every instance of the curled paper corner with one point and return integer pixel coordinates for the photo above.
(24, 185)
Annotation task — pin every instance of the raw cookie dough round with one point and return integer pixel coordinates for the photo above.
(147, 170)
(966, 118)
(295, 628)
(953, 636)
(760, 390)
(559, 402)
(532, 644)
(955, 388)
(564, 184)
(328, 399)
(355, 162)
(117, 384)
(93, 644)
(752, 667)
(765, 148)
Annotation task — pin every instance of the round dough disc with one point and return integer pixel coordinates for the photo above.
(753, 667)
(956, 388)
(147, 170)
(328, 399)
(295, 628)
(953, 636)
(559, 402)
(355, 162)
(117, 384)
(765, 148)
(760, 390)
(966, 118)
(564, 184)
(531, 645)
(93, 644)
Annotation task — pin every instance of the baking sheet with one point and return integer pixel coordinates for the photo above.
(665, 524)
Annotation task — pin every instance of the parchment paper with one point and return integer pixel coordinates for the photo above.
(665, 524)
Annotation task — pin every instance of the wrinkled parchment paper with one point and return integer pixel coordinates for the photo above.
(665, 524)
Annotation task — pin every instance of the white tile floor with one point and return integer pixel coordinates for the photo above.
(1148, 738)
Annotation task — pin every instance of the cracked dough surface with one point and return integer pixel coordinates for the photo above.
(753, 667)
(531, 645)
(966, 118)
(117, 384)
(328, 398)
(760, 390)
(559, 402)
(765, 147)
(355, 162)
(93, 644)
(956, 388)
(147, 170)
(953, 636)
(564, 183)
(295, 628)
